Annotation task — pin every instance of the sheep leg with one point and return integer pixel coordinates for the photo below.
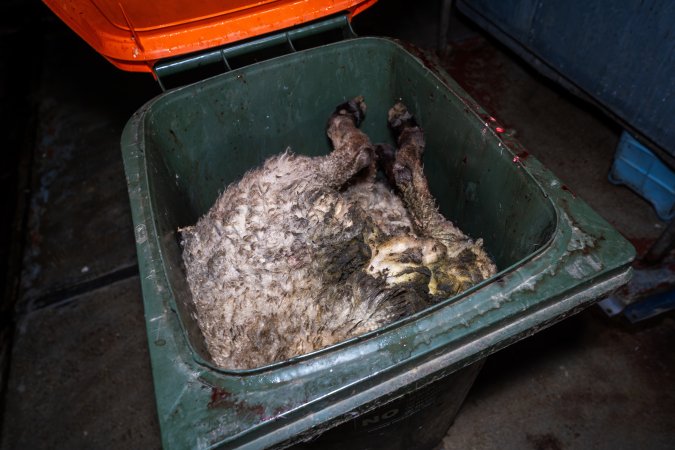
(352, 150)
(407, 173)
(469, 262)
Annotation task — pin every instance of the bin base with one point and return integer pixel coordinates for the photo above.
(419, 419)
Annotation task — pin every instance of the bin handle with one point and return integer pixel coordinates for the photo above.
(175, 66)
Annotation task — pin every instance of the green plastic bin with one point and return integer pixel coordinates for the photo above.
(406, 381)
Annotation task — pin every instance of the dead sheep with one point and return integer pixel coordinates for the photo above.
(305, 252)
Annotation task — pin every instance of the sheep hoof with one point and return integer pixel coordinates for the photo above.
(355, 108)
(400, 118)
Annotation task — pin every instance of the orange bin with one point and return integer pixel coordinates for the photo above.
(135, 34)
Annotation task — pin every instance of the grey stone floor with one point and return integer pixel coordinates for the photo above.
(80, 374)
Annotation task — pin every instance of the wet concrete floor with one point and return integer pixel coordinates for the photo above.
(79, 373)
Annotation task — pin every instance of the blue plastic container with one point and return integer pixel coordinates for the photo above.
(638, 168)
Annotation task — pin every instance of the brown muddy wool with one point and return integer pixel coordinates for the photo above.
(305, 252)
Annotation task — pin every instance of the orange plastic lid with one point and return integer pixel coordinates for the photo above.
(135, 34)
